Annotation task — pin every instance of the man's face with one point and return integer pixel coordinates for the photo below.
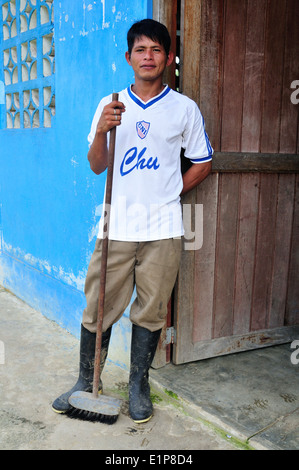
(148, 59)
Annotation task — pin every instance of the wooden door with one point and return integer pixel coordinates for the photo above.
(240, 290)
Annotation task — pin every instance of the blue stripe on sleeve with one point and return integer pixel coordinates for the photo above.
(201, 160)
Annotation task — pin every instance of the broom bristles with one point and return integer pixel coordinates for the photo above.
(83, 415)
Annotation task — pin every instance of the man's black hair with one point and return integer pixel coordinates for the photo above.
(151, 29)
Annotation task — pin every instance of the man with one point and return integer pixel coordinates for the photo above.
(153, 124)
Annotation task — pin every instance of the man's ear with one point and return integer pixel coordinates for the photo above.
(170, 58)
(128, 58)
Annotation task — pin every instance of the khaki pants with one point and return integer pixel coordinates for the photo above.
(150, 266)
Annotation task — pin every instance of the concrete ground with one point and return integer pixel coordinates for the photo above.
(253, 395)
(210, 405)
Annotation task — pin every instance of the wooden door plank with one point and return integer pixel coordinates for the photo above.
(253, 77)
(290, 112)
(228, 203)
(234, 47)
(211, 65)
(184, 298)
(281, 255)
(264, 252)
(292, 306)
(246, 342)
(190, 55)
(272, 88)
(204, 267)
(246, 244)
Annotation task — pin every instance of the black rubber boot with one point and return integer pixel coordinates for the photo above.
(85, 380)
(143, 348)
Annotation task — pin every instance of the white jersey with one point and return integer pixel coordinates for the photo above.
(147, 178)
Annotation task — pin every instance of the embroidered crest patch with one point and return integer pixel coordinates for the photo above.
(142, 128)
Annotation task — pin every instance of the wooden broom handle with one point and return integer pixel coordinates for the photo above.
(97, 363)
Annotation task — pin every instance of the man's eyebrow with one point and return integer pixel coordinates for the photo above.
(144, 47)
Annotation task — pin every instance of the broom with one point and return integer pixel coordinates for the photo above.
(85, 405)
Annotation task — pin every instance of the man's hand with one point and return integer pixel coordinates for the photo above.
(110, 117)
(98, 152)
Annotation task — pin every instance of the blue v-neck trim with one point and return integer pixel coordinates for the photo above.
(149, 103)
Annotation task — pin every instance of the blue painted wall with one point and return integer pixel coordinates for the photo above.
(49, 198)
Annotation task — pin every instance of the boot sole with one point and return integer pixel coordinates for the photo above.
(58, 411)
(141, 421)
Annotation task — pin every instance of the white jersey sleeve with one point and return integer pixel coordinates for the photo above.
(195, 140)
